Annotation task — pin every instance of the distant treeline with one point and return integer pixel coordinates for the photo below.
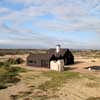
(87, 53)
(12, 51)
(27, 51)
(18, 51)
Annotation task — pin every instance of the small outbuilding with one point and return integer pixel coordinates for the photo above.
(43, 59)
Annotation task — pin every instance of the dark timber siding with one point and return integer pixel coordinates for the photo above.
(40, 60)
(43, 59)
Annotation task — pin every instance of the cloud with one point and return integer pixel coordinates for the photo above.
(4, 10)
(68, 16)
(72, 12)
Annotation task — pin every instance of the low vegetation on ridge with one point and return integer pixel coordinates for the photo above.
(9, 73)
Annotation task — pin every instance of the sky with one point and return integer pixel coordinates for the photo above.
(44, 23)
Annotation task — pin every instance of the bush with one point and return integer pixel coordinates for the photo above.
(1, 64)
(16, 69)
(19, 61)
(15, 61)
(5, 64)
(11, 61)
(2, 54)
(2, 86)
(9, 78)
(9, 75)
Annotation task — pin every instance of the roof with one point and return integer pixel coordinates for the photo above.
(48, 53)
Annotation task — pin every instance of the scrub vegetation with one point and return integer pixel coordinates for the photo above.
(8, 73)
(57, 79)
(75, 83)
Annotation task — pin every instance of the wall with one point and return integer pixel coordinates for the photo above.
(38, 60)
(57, 65)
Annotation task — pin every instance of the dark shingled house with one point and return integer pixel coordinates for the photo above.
(43, 59)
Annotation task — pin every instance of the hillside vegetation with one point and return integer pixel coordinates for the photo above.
(8, 73)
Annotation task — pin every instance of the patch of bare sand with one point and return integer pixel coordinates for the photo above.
(81, 64)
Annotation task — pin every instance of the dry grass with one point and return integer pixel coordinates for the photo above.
(92, 84)
(93, 98)
(50, 85)
(57, 79)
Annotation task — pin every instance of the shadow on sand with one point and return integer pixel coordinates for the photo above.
(69, 68)
(93, 67)
(78, 62)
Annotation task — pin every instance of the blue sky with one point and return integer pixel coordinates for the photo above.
(44, 23)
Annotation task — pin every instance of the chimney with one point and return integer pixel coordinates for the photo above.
(58, 48)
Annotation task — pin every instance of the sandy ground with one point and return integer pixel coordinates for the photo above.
(71, 90)
(82, 63)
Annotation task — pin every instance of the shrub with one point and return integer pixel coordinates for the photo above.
(2, 54)
(19, 61)
(5, 64)
(2, 86)
(16, 69)
(9, 75)
(1, 64)
(15, 61)
(11, 61)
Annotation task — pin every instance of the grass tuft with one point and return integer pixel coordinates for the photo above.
(9, 75)
(92, 84)
(57, 79)
(93, 98)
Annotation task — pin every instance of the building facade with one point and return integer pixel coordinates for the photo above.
(43, 59)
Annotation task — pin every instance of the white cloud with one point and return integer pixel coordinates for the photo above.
(69, 15)
(4, 10)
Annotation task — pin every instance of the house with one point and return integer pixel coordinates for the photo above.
(57, 65)
(43, 59)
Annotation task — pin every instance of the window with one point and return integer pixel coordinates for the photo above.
(30, 61)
